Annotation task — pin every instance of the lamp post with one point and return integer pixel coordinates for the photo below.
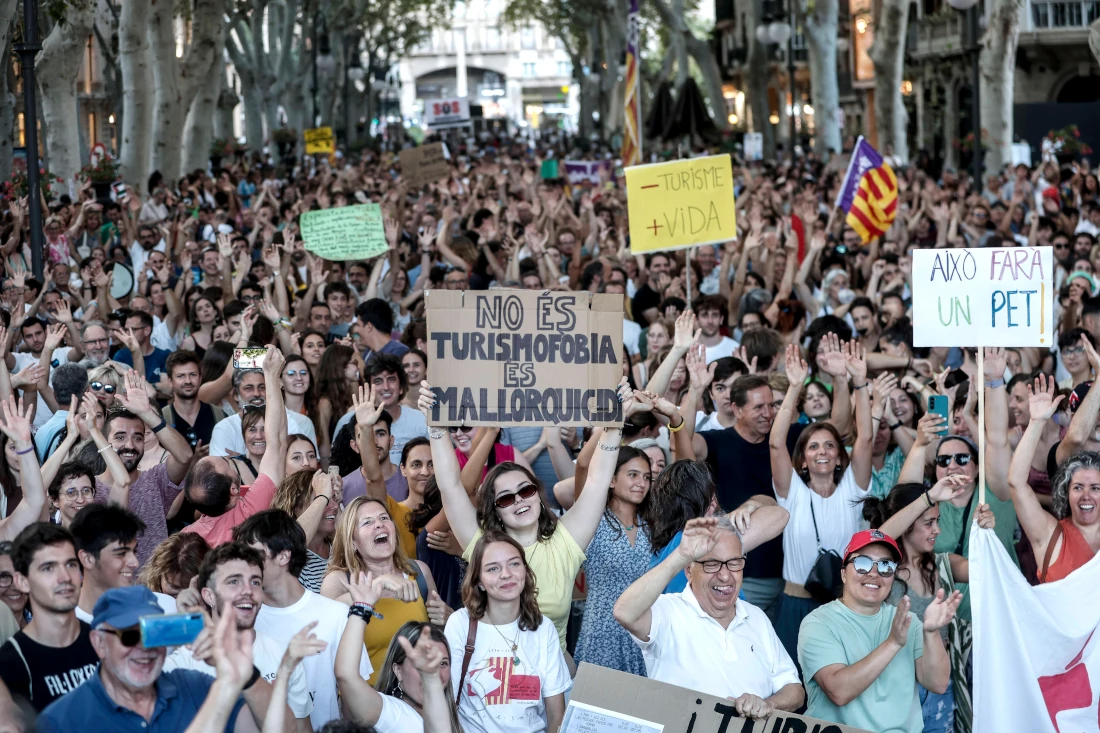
(322, 54)
(778, 28)
(353, 73)
(27, 51)
(970, 7)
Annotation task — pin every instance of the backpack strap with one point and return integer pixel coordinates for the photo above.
(1050, 552)
(471, 637)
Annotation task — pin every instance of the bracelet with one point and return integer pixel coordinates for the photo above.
(161, 426)
(995, 383)
(255, 677)
(895, 426)
(106, 447)
(928, 500)
(678, 428)
(364, 604)
(24, 452)
(362, 612)
(435, 433)
(320, 496)
(858, 387)
(601, 446)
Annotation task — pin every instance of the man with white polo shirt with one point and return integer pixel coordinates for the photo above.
(705, 638)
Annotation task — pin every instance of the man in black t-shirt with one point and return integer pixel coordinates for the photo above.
(649, 296)
(53, 655)
(188, 416)
(739, 458)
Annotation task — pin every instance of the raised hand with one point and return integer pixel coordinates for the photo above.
(427, 400)
(995, 363)
(232, 652)
(899, 627)
(1041, 398)
(366, 405)
(686, 333)
(17, 421)
(64, 314)
(700, 374)
(322, 485)
(133, 396)
(425, 656)
(303, 644)
(831, 357)
(88, 412)
(273, 363)
(28, 377)
(929, 427)
(796, 367)
(941, 610)
(743, 355)
(55, 334)
(855, 361)
(699, 538)
(127, 338)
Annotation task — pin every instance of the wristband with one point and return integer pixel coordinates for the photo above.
(24, 452)
(928, 500)
(859, 386)
(678, 428)
(161, 426)
(895, 426)
(995, 383)
(106, 447)
(435, 433)
(252, 680)
(362, 612)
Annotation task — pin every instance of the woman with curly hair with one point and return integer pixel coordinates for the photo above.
(298, 496)
(174, 562)
(511, 638)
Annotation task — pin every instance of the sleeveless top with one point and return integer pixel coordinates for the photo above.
(380, 631)
(1075, 552)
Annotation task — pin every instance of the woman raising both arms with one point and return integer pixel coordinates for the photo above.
(512, 500)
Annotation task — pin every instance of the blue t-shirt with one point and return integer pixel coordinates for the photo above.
(154, 363)
(180, 694)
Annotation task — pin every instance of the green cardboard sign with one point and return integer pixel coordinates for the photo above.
(549, 169)
(345, 233)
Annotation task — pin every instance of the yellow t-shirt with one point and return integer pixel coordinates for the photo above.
(399, 513)
(380, 631)
(555, 562)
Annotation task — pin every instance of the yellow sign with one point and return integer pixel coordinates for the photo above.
(320, 140)
(683, 203)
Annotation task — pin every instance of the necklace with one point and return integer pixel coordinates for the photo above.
(514, 643)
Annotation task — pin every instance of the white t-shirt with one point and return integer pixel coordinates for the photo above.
(227, 435)
(281, 624)
(397, 716)
(267, 654)
(703, 421)
(497, 695)
(24, 359)
(725, 347)
(838, 518)
(632, 332)
(161, 338)
(410, 425)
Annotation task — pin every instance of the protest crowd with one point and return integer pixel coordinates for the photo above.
(778, 515)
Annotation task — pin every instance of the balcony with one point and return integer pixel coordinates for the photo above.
(1059, 23)
(942, 34)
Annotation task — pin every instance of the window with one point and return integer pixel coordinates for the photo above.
(527, 37)
(529, 68)
(565, 68)
(492, 38)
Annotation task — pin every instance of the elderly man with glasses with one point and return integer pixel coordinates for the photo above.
(863, 657)
(706, 638)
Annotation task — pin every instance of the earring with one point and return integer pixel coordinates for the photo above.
(481, 588)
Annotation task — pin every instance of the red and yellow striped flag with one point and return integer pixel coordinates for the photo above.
(632, 117)
(869, 196)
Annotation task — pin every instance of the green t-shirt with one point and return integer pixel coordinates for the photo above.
(954, 525)
(835, 634)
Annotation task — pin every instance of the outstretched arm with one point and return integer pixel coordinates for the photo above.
(1037, 523)
(777, 440)
(136, 400)
(17, 428)
(457, 505)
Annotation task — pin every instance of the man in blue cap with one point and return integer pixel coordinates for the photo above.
(129, 692)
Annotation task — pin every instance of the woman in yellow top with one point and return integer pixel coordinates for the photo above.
(367, 542)
(513, 501)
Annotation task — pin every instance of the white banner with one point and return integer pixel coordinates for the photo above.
(1036, 651)
(993, 296)
(451, 112)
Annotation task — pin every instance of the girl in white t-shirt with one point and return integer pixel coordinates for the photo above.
(413, 692)
(516, 678)
(819, 485)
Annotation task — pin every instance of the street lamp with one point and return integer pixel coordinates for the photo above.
(322, 57)
(776, 29)
(27, 50)
(970, 7)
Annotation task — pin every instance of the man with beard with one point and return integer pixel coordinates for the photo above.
(97, 344)
(150, 493)
(231, 581)
(250, 388)
(130, 690)
(192, 419)
(214, 485)
(53, 654)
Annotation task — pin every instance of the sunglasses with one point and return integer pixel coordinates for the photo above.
(295, 372)
(460, 428)
(129, 637)
(506, 500)
(863, 565)
(97, 386)
(960, 459)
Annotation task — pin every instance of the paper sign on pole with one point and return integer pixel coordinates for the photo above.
(345, 233)
(641, 705)
(754, 146)
(682, 203)
(319, 140)
(996, 296)
(444, 113)
(585, 171)
(525, 358)
(424, 164)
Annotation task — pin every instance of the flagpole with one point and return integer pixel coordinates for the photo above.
(981, 428)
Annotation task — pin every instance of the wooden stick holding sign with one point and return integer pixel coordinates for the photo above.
(996, 296)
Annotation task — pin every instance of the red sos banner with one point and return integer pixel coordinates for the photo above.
(451, 112)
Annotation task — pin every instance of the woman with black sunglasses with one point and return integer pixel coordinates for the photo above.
(911, 512)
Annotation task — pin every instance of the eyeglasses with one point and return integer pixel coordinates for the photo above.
(6, 579)
(86, 492)
(460, 428)
(97, 386)
(1073, 351)
(960, 459)
(129, 637)
(734, 564)
(506, 500)
(863, 565)
(296, 372)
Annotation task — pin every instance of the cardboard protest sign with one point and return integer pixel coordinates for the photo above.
(523, 357)
(319, 140)
(585, 171)
(996, 296)
(444, 113)
(682, 203)
(424, 164)
(345, 233)
(605, 700)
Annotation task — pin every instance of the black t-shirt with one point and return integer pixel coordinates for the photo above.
(203, 428)
(742, 470)
(42, 674)
(644, 299)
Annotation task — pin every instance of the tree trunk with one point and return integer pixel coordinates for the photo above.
(7, 99)
(253, 114)
(198, 133)
(137, 93)
(888, 56)
(701, 51)
(820, 25)
(56, 69)
(227, 102)
(998, 74)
